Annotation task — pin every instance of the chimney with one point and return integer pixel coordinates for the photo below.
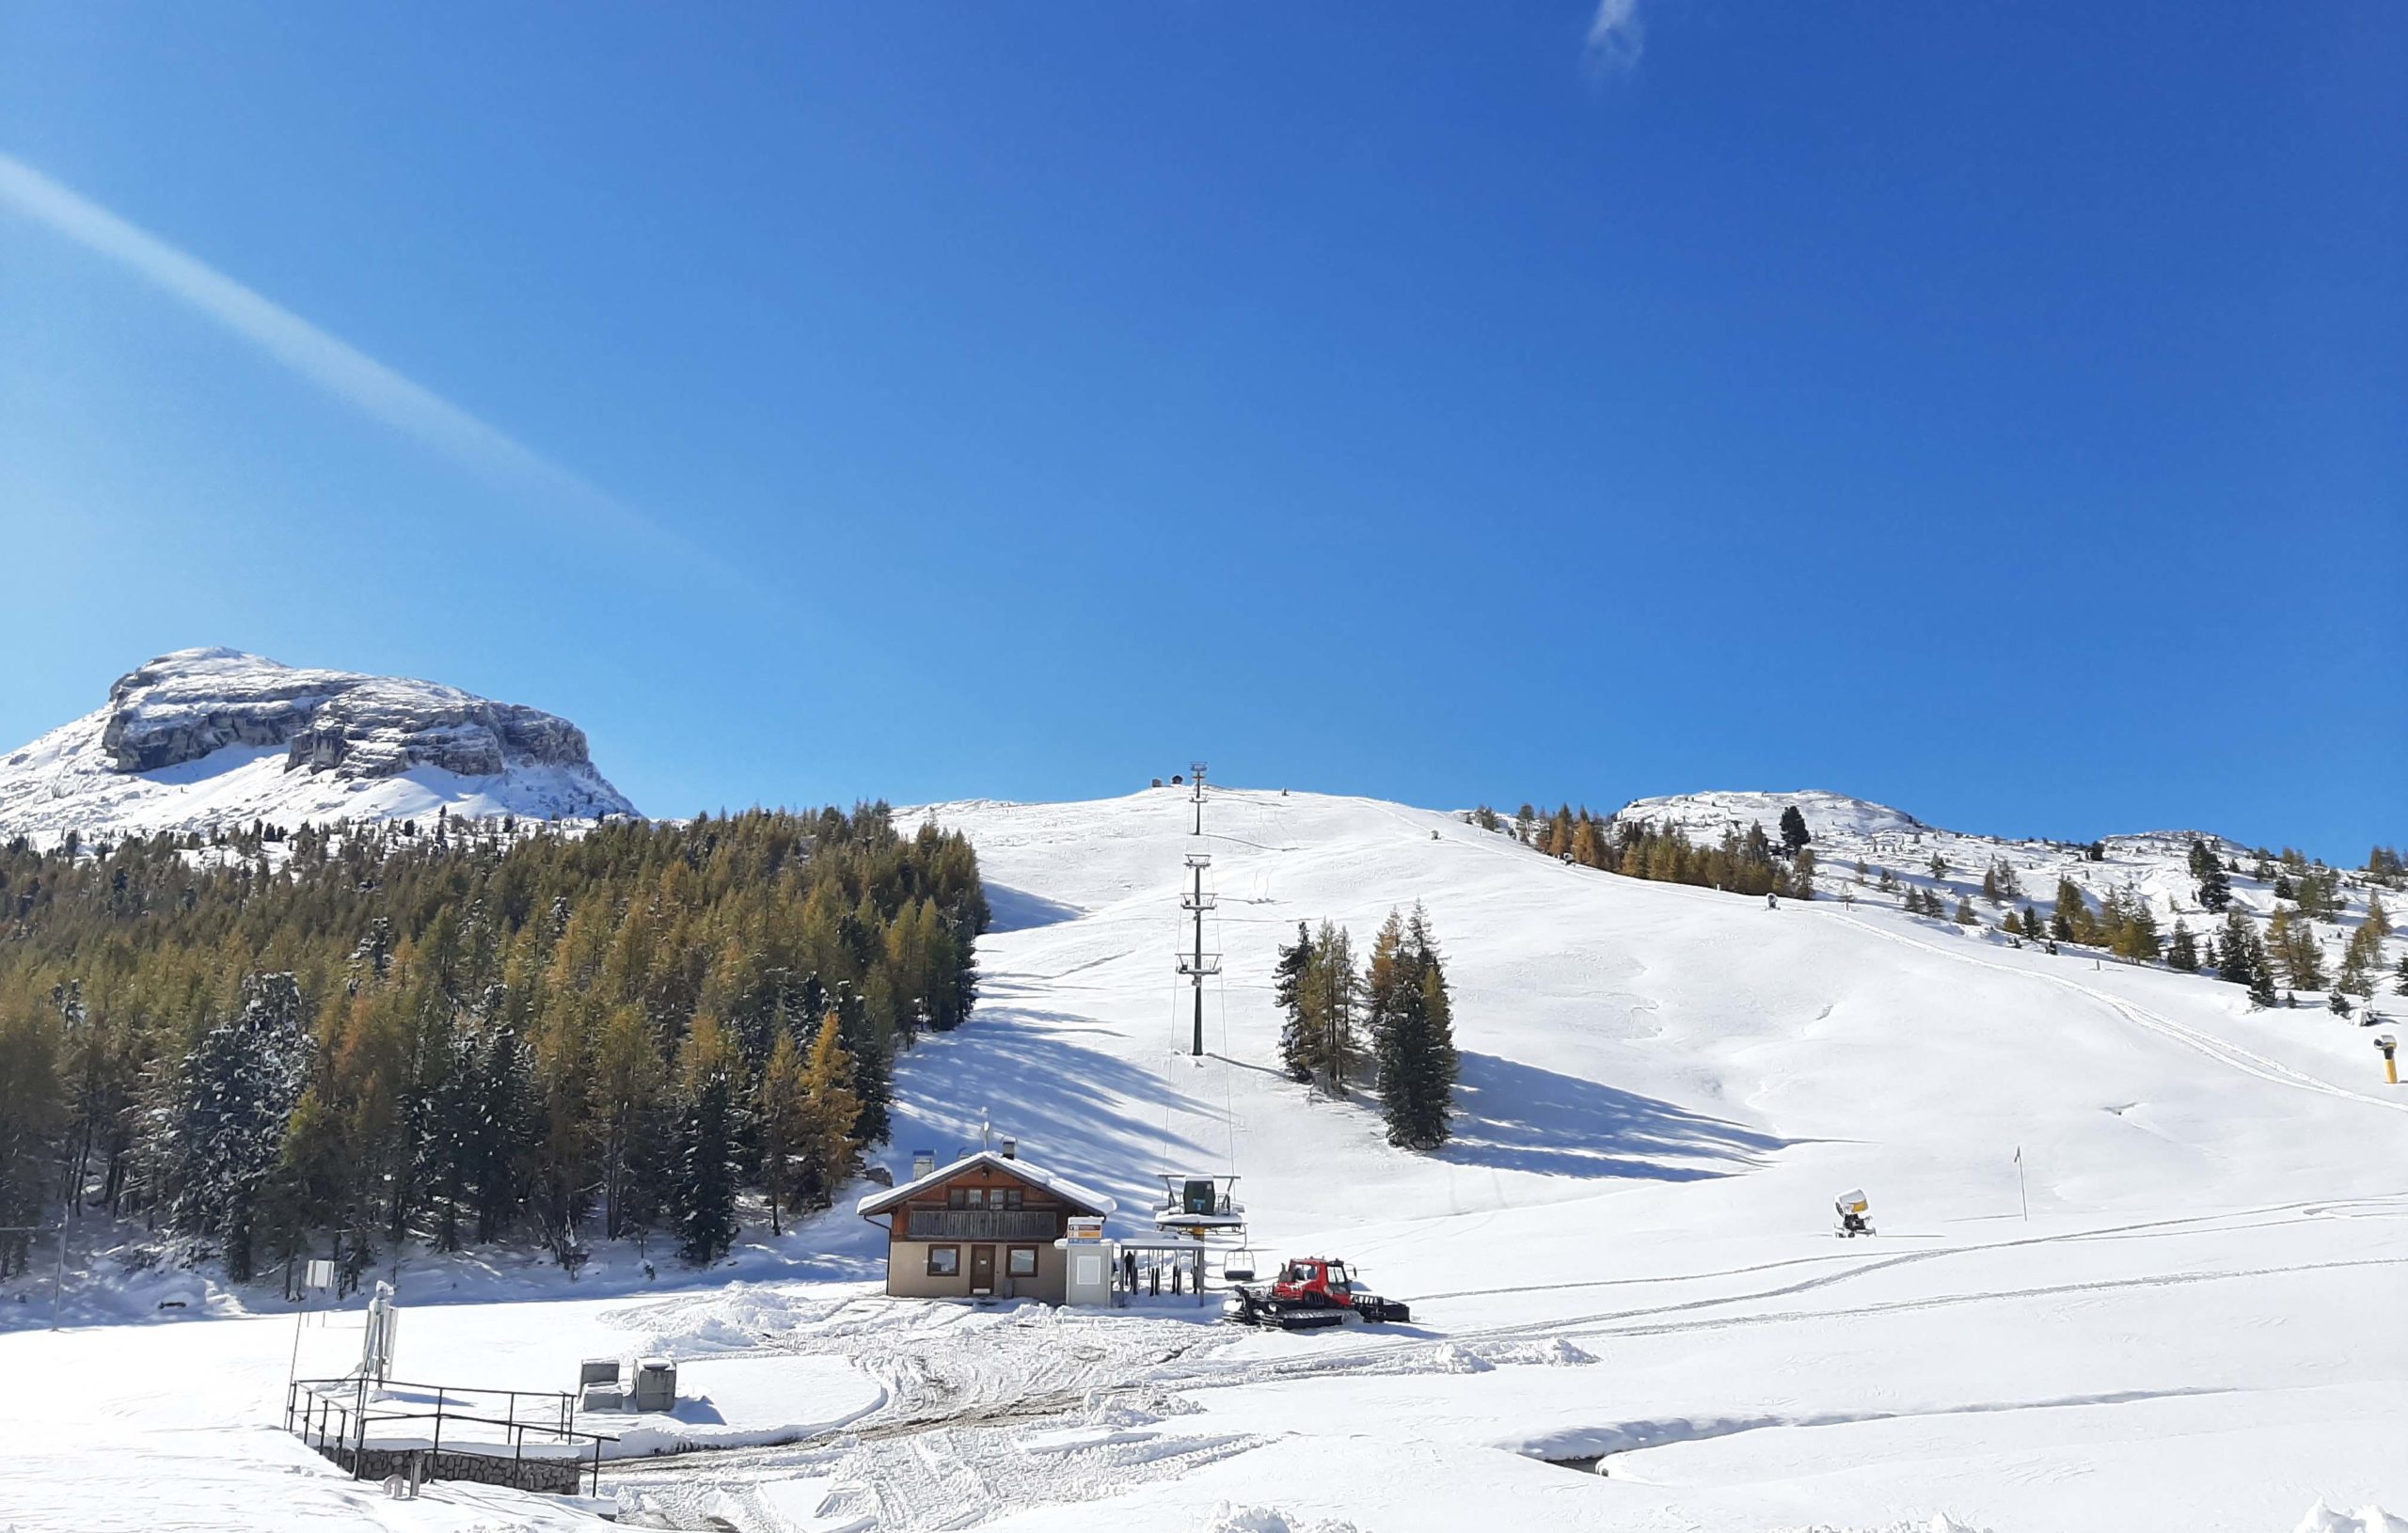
(923, 1162)
(1011, 1148)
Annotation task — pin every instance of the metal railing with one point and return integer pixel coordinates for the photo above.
(334, 1416)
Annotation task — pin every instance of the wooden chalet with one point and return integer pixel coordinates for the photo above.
(987, 1227)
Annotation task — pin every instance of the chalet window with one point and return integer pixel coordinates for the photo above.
(1021, 1262)
(1010, 1195)
(944, 1261)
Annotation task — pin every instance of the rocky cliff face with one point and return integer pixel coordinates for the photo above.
(184, 706)
(203, 736)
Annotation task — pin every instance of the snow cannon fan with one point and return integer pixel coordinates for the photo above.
(1855, 1214)
(2390, 1046)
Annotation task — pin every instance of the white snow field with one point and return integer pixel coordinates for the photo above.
(1623, 1264)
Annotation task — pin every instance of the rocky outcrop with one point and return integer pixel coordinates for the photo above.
(204, 738)
(183, 706)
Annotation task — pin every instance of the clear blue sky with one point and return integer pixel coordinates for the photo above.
(2000, 411)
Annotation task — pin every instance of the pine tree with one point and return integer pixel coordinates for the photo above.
(238, 1088)
(1411, 1017)
(702, 1188)
(2234, 947)
(2071, 921)
(1965, 916)
(508, 1132)
(2130, 926)
(2215, 889)
(1793, 830)
(30, 1116)
(1331, 994)
(2291, 942)
(2261, 983)
(1297, 1048)
(830, 1150)
(630, 1114)
(2183, 953)
(2243, 959)
(2031, 923)
(783, 1127)
(2358, 960)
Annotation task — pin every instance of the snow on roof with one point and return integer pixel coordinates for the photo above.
(1061, 1187)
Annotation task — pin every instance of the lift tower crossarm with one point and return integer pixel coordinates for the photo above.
(1199, 963)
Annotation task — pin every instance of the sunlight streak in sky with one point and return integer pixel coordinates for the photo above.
(333, 364)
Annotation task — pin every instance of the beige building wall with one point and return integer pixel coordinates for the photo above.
(907, 1271)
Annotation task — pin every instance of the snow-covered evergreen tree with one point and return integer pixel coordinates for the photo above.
(235, 1094)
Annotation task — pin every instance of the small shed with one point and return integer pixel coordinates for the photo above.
(988, 1226)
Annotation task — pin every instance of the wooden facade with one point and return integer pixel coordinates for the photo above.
(983, 1227)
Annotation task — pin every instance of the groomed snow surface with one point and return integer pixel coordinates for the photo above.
(1629, 1310)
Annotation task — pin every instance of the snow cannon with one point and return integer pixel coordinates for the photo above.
(1856, 1213)
(2390, 1046)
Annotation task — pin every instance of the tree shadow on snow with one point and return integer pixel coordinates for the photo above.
(1075, 1110)
(1017, 909)
(1517, 1117)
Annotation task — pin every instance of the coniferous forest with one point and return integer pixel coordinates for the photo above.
(1752, 863)
(275, 1045)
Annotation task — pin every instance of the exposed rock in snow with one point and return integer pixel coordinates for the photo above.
(203, 737)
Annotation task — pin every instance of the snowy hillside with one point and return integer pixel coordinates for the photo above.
(1831, 816)
(209, 738)
(1869, 853)
(1629, 1311)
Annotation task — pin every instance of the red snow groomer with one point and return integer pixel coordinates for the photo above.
(1308, 1293)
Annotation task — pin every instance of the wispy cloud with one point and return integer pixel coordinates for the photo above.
(1615, 35)
(335, 365)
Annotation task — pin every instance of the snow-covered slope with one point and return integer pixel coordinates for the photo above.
(205, 737)
(1623, 1254)
(1870, 853)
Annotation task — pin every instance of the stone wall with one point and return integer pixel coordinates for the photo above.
(546, 1475)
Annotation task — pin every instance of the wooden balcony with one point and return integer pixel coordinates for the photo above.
(983, 1224)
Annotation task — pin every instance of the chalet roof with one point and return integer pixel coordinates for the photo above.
(1061, 1187)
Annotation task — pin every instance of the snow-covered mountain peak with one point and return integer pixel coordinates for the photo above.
(201, 737)
(1703, 816)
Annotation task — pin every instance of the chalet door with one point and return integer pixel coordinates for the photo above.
(982, 1269)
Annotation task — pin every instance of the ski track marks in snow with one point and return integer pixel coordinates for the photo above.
(2220, 1049)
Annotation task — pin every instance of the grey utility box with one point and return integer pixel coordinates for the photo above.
(655, 1385)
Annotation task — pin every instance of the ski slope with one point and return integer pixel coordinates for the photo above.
(1621, 1260)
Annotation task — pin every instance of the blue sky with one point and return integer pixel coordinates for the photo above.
(1998, 411)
